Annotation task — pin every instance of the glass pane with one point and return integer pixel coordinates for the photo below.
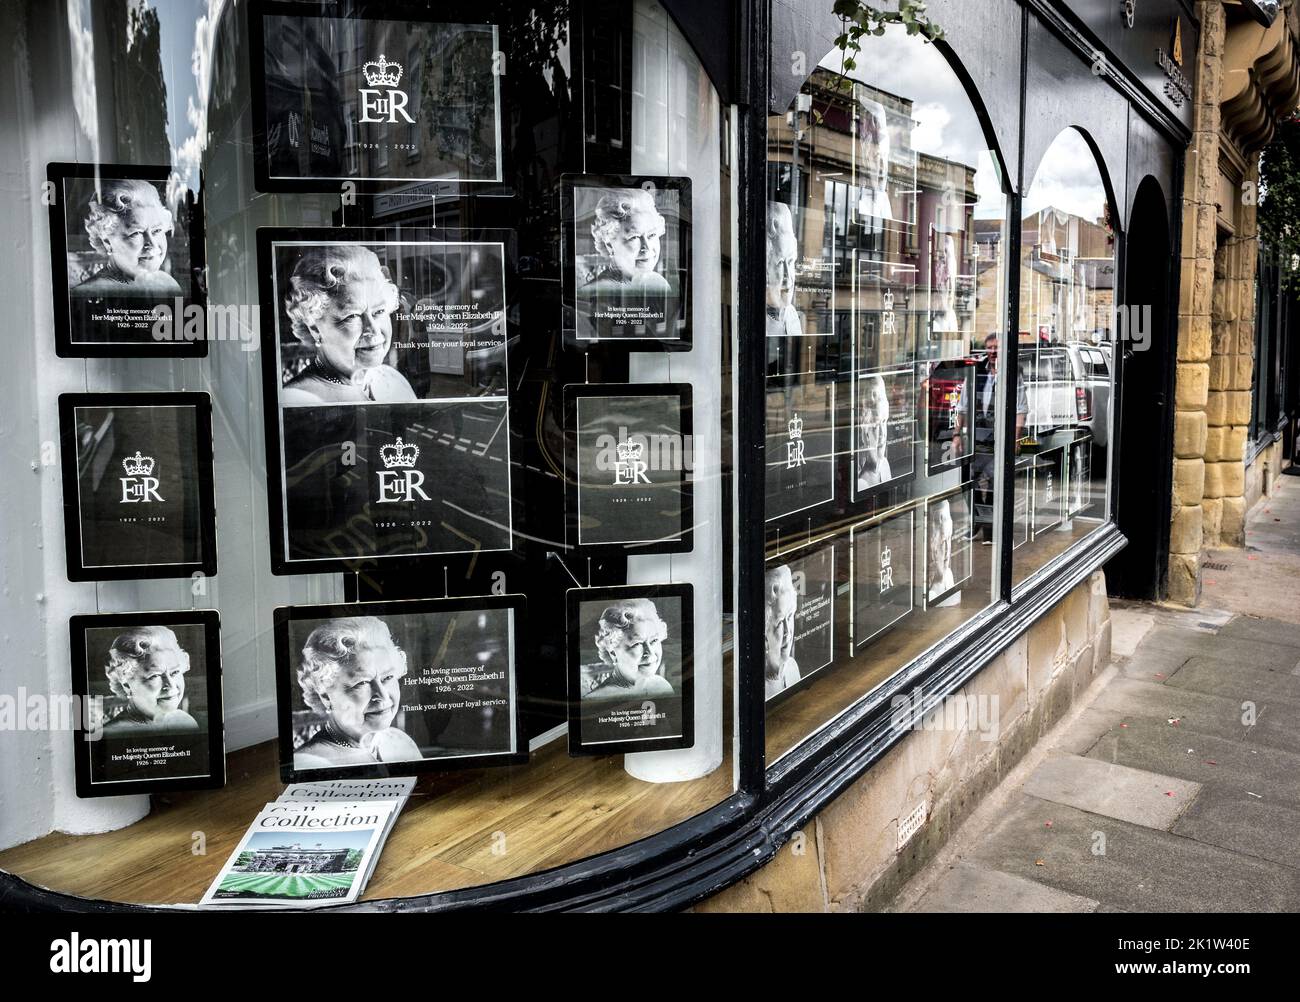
(450, 222)
(1066, 371)
(885, 288)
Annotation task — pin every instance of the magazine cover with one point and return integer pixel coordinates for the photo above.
(303, 856)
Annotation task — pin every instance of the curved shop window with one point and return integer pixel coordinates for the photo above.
(1066, 371)
(886, 278)
(439, 497)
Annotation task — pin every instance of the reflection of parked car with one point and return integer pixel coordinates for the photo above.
(1067, 386)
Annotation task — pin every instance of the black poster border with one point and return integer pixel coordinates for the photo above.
(285, 614)
(683, 591)
(967, 490)
(568, 259)
(210, 620)
(267, 237)
(857, 644)
(802, 552)
(202, 405)
(357, 10)
(57, 172)
(574, 392)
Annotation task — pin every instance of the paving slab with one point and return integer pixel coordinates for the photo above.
(1161, 748)
(1196, 713)
(1237, 650)
(1127, 628)
(1154, 665)
(1234, 820)
(1270, 631)
(1239, 680)
(1116, 791)
(1129, 867)
(968, 888)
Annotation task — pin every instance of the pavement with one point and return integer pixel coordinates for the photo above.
(1174, 784)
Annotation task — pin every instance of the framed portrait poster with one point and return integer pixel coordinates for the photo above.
(627, 260)
(396, 98)
(385, 381)
(800, 278)
(1049, 490)
(628, 466)
(800, 455)
(377, 689)
(1080, 478)
(631, 669)
(883, 574)
(945, 264)
(798, 618)
(138, 497)
(149, 684)
(948, 544)
(126, 262)
(949, 393)
(884, 428)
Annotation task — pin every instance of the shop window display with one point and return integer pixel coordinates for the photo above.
(1066, 373)
(886, 279)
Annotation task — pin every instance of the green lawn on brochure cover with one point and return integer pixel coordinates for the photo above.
(285, 885)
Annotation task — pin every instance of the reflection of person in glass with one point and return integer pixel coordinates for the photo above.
(350, 674)
(873, 433)
(984, 466)
(783, 320)
(939, 578)
(341, 304)
(630, 642)
(780, 601)
(943, 314)
(627, 232)
(146, 670)
(130, 228)
(873, 161)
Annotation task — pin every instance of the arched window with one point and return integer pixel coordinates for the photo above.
(886, 274)
(1066, 370)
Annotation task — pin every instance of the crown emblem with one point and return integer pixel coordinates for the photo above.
(796, 427)
(629, 451)
(889, 299)
(382, 73)
(399, 455)
(138, 465)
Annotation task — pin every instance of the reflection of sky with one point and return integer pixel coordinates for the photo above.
(186, 30)
(945, 122)
(1067, 179)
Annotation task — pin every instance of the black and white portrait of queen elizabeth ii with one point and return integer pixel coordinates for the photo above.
(341, 305)
(146, 672)
(630, 257)
(129, 231)
(349, 674)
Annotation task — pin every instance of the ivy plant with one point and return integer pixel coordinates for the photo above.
(863, 18)
(1278, 215)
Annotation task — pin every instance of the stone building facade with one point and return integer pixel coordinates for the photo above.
(1247, 78)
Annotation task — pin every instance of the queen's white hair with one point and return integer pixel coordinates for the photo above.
(618, 619)
(114, 198)
(616, 207)
(129, 650)
(323, 274)
(334, 644)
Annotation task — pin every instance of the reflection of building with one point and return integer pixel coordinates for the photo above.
(295, 859)
(1067, 278)
(857, 269)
